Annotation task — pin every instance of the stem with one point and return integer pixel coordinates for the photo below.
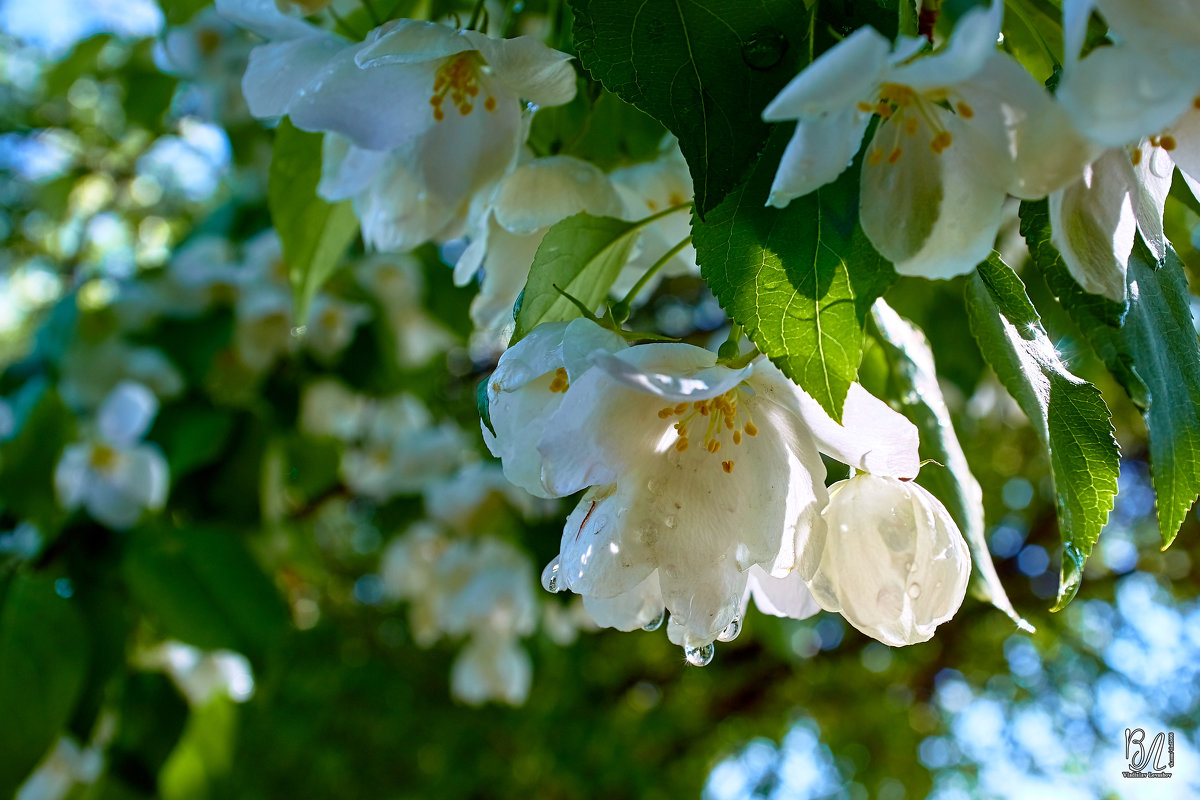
(375, 20)
(621, 310)
(641, 223)
(341, 23)
(732, 347)
(475, 15)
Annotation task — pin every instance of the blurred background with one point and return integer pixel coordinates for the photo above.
(338, 597)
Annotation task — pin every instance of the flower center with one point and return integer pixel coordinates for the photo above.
(103, 458)
(904, 106)
(559, 384)
(458, 80)
(716, 420)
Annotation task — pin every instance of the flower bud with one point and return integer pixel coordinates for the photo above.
(894, 563)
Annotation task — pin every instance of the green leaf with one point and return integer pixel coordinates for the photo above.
(703, 68)
(43, 661)
(582, 256)
(314, 233)
(27, 461)
(200, 763)
(912, 368)
(1154, 354)
(799, 280)
(205, 588)
(1068, 412)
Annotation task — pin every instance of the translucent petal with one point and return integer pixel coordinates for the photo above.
(672, 371)
(547, 190)
(820, 150)
(529, 69)
(971, 44)
(264, 18)
(277, 72)
(894, 559)
(411, 41)
(1092, 225)
(127, 413)
(781, 597)
(1153, 172)
(630, 610)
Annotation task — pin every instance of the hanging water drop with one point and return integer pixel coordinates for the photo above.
(700, 656)
(731, 631)
(914, 591)
(764, 49)
(550, 581)
(657, 622)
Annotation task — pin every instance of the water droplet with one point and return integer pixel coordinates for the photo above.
(669, 520)
(700, 656)
(654, 485)
(914, 591)
(764, 49)
(731, 630)
(299, 331)
(550, 580)
(657, 622)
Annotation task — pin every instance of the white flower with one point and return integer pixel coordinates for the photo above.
(328, 408)
(91, 371)
(505, 236)
(492, 668)
(894, 563)
(694, 471)
(475, 494)
(115, 476)
(396, 282)
(202, 675)
(649, 188)
(66, 766)
(958, 131)
(331, 326)
(1143, 82)
(444, 102)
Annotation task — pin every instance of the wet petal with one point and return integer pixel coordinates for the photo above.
(127, 413)
(411, 41)
(630, 610)
(819, 151)
(529, 69)
(839, 77)
(276, 73)
(547, 190)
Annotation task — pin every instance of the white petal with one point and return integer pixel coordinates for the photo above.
(971, 44)
(529, 69)
(840, 77)
(1186, 133)
(1117, 95)
(1154, 173)
(872, 437)
(491, 669)
(411, 41)
(72, 475)
(506, 264)
(928, 213)
(278, 72)
(347, 170)
(264, 18)
(781, 597)
(1076, 14)
(127, 413)
(629, 611)
(397, 213)
(820, 150)
(895, 564)
(379, 109)
(671, 371)
(1092, 225)
(547, 190)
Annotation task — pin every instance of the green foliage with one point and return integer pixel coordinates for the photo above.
(27, 461)
(800, 280)
(315, 234)
(581, 256)
(950, 479)
(705, 69)
(1152, 351)
(603, 129)
(43, 661)
(204, 587)
(1068, 412)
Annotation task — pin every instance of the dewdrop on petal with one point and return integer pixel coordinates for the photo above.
(894, 563)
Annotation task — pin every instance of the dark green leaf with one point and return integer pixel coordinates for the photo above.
(799, 280)
(314, 233)
(43, 661)
(1154, 355)
(1068, 412)
(27, 461)
(704, 68)
(205, 588)
(581, 256)
(953, 483)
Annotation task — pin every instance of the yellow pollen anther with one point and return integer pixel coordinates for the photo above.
(750, 429)
(490, 104)
(1154, 142)
(894, 156)
(456, 79)
(964, 110)
(714, 445)
(875, 157)
(737, 437)
(1196, 103)
(1135, 157)
(883, 109)
(560, 383)
(665, 412)
(102, 458)
(727, 466)
(941, 141)
(682, 407)
(1167, 143)
(681, 444)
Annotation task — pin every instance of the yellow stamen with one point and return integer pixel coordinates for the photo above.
(458, 80)
(750, 429)
(1168, 143)
(737, 437)
(941, 141)
(681, 444)
(964, 110)
(560, 383)
(894, 156)
(714, 445)
(663, 413)
(1135, 157)
(490, 104)
(727, 466)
